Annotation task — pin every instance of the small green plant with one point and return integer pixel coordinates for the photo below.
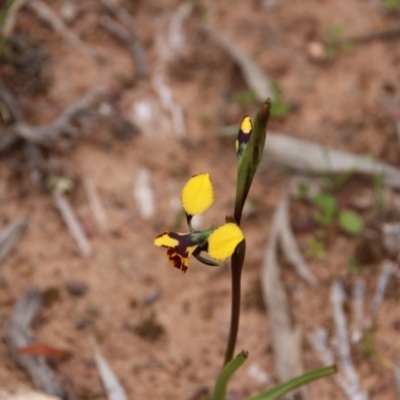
(391, 5)
(228, 240)
(349, 221)
(335, 42)
(280, 108)
(3, 17)
(353, 265)
(245, 97)
(315, 248)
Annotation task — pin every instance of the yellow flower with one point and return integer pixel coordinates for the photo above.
(197, 196)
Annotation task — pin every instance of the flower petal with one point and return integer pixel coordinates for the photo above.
(177, 260)
(244, 135)
(223, 241)
(198, 194)
(165, 240)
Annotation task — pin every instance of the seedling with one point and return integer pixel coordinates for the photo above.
(316, 249)
(245, 97)
(353, 265)
(280, 108)
(335, 42)
(391, 5)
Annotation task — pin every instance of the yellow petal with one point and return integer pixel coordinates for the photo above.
(223, 241)
(164, 240)
(246, 126)
(198, 194)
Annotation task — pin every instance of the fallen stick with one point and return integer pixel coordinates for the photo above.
(343, 344)
(72, 222)
(128, 33)
(19, 334)
(95, 205)
(285, 339)
(357, 310)
(318, 341)
(255, 77)
(11, 102)
(387, 270)
(310, 157)
(45, 135)
(123, 35)
(114, 389)
(44, 12)
(10, 235)
(290, 247)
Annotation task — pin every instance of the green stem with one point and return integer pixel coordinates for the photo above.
(236, 266)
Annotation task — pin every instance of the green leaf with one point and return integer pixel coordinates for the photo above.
(251, 159)
(3, 17)
(284, 388)
(219, 392)
(353, 265)
(328, 206)
(245, 97)
(280, 108)
(351, 222)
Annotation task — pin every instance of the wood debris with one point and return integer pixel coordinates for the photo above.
(46, 135)
(306, 156)
(318, 341)
(95, 204)
(358, 310)
(143, 194)
(387, 270)
(113, 387)
(19, 335)
(44, 12)
(10, 235)
(71, 220)
(167, 102)
(342, 344)
(290, 246)
(126, 32)
(285, 338)
(255, 77)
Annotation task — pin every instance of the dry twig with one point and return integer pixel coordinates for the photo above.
(10, 235)
(113, 387)
(72, 222)
(285, 339)
(127, 32)
(255, 77)
(310, 157)
(19, 334)
(387, 270)
(354, 390)
(44, 12)
(358, 307)
(290, 247)
(45, 135)
(95, 205)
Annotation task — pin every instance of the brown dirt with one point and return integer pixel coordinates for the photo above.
(175, 345)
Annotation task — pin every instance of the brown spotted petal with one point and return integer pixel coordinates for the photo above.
(180, 247)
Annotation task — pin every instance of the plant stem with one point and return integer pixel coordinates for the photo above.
(236, 267)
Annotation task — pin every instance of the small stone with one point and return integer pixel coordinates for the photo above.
(76, 288)
(316, 51)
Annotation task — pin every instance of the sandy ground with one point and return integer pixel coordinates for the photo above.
(127, 281)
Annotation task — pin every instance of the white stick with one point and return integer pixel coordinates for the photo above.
(72, 222)
(343, 344)
(95, 205)
(358, 310)
(387, 270)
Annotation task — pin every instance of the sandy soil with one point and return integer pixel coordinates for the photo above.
(127, 282)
